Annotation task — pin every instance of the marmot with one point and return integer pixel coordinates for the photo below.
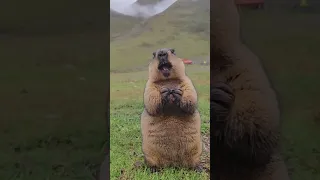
(244, 109)
(170, 122)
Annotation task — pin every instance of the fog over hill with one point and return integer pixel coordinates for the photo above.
(187, 15)
(136, 8)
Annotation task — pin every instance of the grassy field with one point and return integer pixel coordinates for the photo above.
(130, 53)
(126, 108)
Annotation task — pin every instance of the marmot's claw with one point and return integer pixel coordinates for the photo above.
(164, 90)
(177, 91)
(154, 169)
(199, 168)
(177, 99)
(223, 86)
(221, 101)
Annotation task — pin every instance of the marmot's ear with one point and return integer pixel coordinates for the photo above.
(154, 55)
(173, 51)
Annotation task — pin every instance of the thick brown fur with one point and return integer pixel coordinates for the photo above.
(170, 131)
(244, 108)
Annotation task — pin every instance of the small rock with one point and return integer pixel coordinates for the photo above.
(137, 164)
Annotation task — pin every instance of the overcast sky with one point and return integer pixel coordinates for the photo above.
(131, 8)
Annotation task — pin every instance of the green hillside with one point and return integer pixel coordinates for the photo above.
(184, 26)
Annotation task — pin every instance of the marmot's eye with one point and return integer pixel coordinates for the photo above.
(173, 51)
(154, 55)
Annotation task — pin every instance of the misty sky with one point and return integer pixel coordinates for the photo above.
(132, 8)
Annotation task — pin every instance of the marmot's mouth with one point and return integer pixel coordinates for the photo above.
(165, 69)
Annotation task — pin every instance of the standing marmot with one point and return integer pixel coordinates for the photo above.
(170, 122)
(244, 109)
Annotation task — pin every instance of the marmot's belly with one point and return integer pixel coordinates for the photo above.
(175, 139)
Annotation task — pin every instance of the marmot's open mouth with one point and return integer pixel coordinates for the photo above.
(165, 69)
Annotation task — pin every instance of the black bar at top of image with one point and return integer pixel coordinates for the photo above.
(264, 84)
(54, 63)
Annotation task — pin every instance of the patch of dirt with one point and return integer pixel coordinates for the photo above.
(123, 175)
(138, 164)
(205, 158)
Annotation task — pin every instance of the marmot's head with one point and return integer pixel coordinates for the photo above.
(225, 33)
(166, 65)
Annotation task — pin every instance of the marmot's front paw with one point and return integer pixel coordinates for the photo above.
(177, 94)
(221, 101)
(165, 95)
(171, 96)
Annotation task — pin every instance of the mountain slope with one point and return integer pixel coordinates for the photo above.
(184, 26)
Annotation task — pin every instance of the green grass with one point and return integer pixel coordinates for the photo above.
(126, 108)
(134, 49)
(133, 55)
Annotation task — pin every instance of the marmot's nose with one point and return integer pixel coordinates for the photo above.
(162, 54)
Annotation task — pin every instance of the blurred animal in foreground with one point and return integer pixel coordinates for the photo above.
(244, 109)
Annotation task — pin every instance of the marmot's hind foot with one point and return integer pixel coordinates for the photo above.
(199, 168)
(154, 169)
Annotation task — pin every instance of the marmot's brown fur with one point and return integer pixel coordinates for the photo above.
(244, 108)
(170, 122)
